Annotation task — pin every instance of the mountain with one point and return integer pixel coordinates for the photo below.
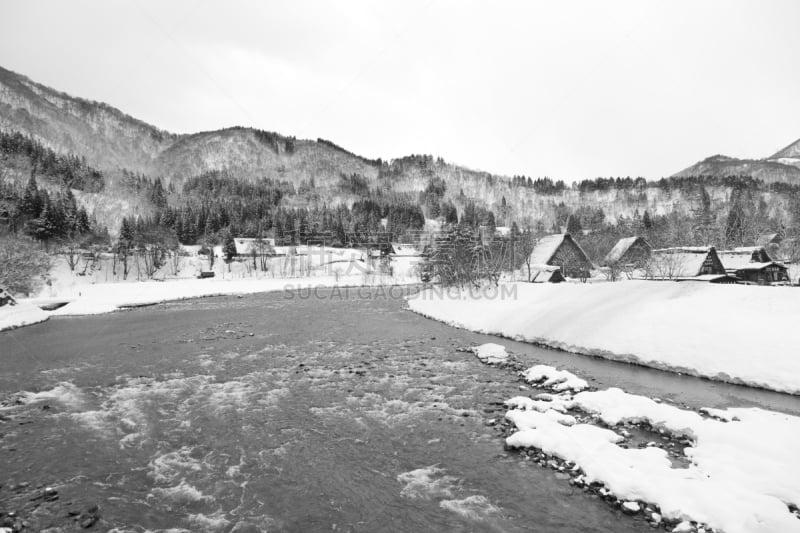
(109, 140)
(789, 155)
(105, 136)
(782, 166)
(110, 162)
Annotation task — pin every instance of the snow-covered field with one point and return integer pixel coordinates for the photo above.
(735, 333)
(731, 470)
(103, 290)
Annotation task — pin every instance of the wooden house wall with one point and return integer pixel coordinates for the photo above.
(765, 276)
(712, 264)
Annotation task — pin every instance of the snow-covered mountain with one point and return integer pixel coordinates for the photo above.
(782, 166)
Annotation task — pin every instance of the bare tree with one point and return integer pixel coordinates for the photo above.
(71, 251)
(175, 260)
(153, 257)
(121, 257)
(526, 244)
(665, 265)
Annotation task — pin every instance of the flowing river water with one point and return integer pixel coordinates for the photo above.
(273, 412)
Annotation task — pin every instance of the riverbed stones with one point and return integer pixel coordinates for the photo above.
(631, 507)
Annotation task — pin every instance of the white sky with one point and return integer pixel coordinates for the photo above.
(568, 89)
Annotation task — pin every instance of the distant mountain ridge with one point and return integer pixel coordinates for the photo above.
(324, 173)
(782, 166)
(109, 139)
(104, 135)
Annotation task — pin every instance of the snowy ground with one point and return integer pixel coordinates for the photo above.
(734, 333)
(730, 470)
(95, 288)
(22, 314)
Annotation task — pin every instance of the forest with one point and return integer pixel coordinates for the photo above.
(208, 208)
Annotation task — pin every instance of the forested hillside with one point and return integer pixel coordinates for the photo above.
(73, 168)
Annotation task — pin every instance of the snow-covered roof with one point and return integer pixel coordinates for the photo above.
(687, 249)
(705, 277)
(502, 230)
(759, 266)
(619, 249)
(679, 262)
(546, 248)
(734, 259)
(767, 238)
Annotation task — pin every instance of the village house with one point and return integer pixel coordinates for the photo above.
(772, 243)
(752, 264)
(689, 263)
(562, 251)
(630, 252)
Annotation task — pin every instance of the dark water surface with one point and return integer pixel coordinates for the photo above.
(334, 415)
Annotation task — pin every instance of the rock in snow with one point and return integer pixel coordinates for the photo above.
(631, 507)
(491, 353)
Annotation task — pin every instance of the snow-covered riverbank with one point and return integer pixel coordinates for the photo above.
(726, 469)
(107, 297)
(734, 333)
(21, 314)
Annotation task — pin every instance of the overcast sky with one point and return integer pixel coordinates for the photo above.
(569, 89)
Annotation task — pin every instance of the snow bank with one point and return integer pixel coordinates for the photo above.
(21, 314)
(742, 477)
(715, 331)
(107, 297)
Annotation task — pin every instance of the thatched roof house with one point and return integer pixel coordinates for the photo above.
(562, 251)
(738, 257)
(753, 264)
(634, 251)
(766, 239)
(684, 262)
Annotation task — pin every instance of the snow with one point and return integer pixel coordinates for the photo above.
(95, 289)
(735, 259)
(491, 353)
(742, 474)
(107, 297)
(619, 250)
(21, 314)
(632, 507)
(678, 262)
(558, 380)
(545, 248)
(715, 331)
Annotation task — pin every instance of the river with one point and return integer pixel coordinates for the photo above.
(276, 412)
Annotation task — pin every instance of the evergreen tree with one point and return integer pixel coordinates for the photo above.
(229, 247)
(574, 225)
(646, 221)
(126, 233)
(31, 203)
